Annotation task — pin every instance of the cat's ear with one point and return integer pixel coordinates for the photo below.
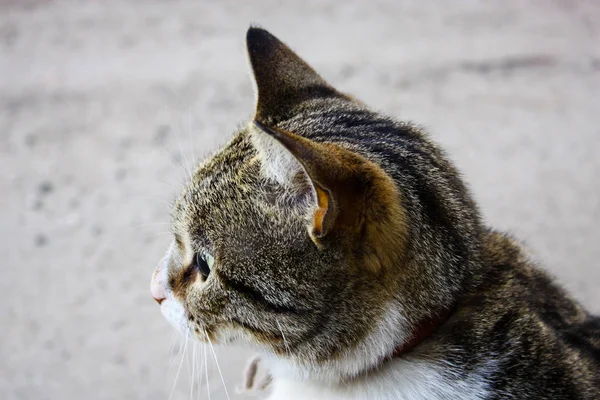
(282, 78)
(302, 166)
(348, 198)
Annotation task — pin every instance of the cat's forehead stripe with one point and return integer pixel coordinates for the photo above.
(219, 169)
(220, 181)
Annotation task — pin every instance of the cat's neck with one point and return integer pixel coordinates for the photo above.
(409, 372)
(423, 331)
(371, 356)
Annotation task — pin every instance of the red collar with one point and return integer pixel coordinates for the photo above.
(425, 329)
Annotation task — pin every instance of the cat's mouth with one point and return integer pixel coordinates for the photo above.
(182, 320)
(175, 314)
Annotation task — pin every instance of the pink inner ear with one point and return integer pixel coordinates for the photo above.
(321, 211)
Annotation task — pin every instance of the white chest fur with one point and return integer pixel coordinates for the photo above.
(401, 379)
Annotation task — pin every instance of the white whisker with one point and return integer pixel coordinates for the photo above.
(217, 364)
(206, 370)
(187, 365)
(149, 224)
(171, 348)
(170, 152)
(193, 380)
(200, 369)
(285, 343)
(191, 139)
(180, 365)
(166, 149)
(158, 235)
(181, 153)
(174, 185)
(155, 199)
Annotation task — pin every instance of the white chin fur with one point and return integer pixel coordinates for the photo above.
(174, 312)
(392, 330)
(171, 308)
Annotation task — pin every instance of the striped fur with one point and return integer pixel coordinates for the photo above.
(336, 230)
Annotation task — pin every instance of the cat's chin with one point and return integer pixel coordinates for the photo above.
(175, 314)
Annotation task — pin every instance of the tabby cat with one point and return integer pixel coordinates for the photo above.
(343, 246)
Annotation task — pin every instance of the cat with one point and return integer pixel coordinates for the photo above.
(344, 247)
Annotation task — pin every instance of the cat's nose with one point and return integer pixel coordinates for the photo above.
(157, 287)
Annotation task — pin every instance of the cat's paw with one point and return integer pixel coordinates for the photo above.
(255, 379)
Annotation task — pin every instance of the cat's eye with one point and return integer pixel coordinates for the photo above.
(204, 262)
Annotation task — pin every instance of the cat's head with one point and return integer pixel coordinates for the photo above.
(295, 240)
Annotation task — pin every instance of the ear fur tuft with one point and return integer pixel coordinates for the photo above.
(278, 163)
(284, 157)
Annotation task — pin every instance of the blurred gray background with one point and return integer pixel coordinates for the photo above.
(104, 104)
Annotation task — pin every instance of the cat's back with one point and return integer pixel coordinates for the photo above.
(544, 343)
(511, 274)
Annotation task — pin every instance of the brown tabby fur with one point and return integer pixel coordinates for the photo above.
(367, 222)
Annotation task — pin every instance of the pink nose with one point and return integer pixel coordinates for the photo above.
(157, 288)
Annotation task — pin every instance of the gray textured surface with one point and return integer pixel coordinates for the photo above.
(96, 101)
